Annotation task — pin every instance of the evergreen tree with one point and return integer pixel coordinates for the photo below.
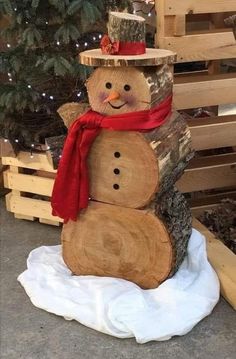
(39, 65)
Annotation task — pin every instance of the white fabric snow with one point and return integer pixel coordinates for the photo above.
(118, 307)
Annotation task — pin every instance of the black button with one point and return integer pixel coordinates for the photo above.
(116, 186)
(116, 171)
(117, 154)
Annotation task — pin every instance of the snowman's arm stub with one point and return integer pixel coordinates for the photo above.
(69, 112)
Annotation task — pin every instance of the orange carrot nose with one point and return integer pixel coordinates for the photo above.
(114, 95)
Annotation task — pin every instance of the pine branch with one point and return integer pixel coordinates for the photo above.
(40, 65)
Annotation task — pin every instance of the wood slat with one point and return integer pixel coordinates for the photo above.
(14, 170)
(204, 91)
(213, 132)
(180, 7)
(208, 173)
(27, 218)
(197, 211)
(30, 207)
(23, 159)
(201, 76)
(201, 47)
(28, 183)
(50, 222)
(6, 149)
(179, 25)
(223, 261)
(160, 8)
(209, 202)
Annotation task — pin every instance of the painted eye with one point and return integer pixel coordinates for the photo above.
(127, 87)
(108, 85)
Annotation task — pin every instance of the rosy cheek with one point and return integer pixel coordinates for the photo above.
(102, 96)
(129, 99)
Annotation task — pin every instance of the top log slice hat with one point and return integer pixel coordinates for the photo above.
(125, 45)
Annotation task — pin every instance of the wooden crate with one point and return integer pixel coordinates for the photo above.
(194, 90)
(208, 42)
(223, 261)
(31, 181)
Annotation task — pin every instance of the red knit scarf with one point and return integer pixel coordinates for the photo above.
(71, 187)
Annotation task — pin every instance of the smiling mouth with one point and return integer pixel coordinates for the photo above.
(117, 107)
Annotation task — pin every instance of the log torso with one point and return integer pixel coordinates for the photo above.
(129, 168)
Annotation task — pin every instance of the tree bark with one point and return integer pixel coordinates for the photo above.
(171, 144)
(126, 27)
(160, 82)
(173, 209)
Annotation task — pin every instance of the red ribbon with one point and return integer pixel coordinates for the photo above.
(71, 187)
(109, 47)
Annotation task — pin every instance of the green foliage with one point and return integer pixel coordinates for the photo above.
(7, 6)
(59, 65)
(40, 65)
(74, 7)
(31, 36)
(66, 33)
(17, 98)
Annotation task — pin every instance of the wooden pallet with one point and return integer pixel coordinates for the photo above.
(30, 190)
(223, 261)
(211, 44)
(194, 90)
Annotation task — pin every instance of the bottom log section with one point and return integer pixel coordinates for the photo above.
(114, 241)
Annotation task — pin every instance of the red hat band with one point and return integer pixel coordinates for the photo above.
(110, 47)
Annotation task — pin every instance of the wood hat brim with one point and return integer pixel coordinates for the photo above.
(152, 57)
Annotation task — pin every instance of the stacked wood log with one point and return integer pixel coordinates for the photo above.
(137, 224)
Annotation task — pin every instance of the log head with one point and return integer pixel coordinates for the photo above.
(115, 90)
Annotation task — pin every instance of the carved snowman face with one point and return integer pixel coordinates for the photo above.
(115, 90)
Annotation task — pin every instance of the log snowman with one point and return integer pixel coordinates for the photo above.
(125, 155)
